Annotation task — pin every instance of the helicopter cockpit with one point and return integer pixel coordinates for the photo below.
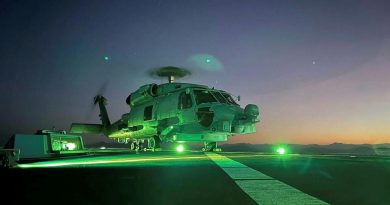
(203, 96)
(209, 96)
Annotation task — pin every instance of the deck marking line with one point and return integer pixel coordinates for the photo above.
(262, 188)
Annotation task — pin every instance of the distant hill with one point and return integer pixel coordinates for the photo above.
(335, 148)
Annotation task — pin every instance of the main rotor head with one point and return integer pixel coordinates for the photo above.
(171, 72)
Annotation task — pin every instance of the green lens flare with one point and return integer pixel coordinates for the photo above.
(206, 62)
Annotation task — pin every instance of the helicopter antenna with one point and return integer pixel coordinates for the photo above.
(170, 72)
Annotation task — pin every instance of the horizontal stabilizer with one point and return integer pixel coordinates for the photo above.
(81, 128)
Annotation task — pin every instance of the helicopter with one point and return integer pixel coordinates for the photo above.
(174, 112)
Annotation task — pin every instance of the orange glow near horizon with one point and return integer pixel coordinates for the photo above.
(353, 108)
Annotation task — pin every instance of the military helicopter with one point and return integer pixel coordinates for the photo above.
(175, 112)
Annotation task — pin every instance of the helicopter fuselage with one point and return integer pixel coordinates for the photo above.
(178, 112)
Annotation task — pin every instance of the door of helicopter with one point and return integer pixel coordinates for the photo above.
(166, 107)
(186, 108)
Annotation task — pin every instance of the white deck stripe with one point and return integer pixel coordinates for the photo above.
(261, 188)
(243, 173)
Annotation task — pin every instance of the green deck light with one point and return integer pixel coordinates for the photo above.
(180, 148)
(71, 146)
(281, 150)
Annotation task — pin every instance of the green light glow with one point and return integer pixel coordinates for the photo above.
(71, 146)
(105, 161)
(281, 150)
(106, 58)
(180, 148)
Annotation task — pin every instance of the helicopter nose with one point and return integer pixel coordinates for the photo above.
(223, 117)
(234, 119)
(246, 123)
(252, 112)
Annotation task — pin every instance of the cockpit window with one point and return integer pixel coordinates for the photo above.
(185, 101)
(219, 96)
(203, 96)
(229, 99)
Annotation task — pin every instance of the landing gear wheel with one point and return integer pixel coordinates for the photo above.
(157, 143)
(209, 146)
(134, 146)
(217, 149)
(151, 144)
(143, 145)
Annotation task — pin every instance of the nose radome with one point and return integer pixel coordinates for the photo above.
(252, 111)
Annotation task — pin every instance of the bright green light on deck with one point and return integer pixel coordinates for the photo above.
(281, 150)
(71, 146)
(180, 148)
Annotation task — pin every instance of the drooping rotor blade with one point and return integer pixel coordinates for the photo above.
(100, 92)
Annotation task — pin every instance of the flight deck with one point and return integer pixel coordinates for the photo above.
(189, 177)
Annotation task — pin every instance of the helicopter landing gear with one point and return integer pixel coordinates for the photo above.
(211, 147)
(154, 143)
(157, 140)
(135, 146)
(150, 144)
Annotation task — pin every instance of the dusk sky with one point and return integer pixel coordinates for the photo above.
(319, 70)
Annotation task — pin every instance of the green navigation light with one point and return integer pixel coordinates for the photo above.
(180, 148)
(106, 58)
(281, 150)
